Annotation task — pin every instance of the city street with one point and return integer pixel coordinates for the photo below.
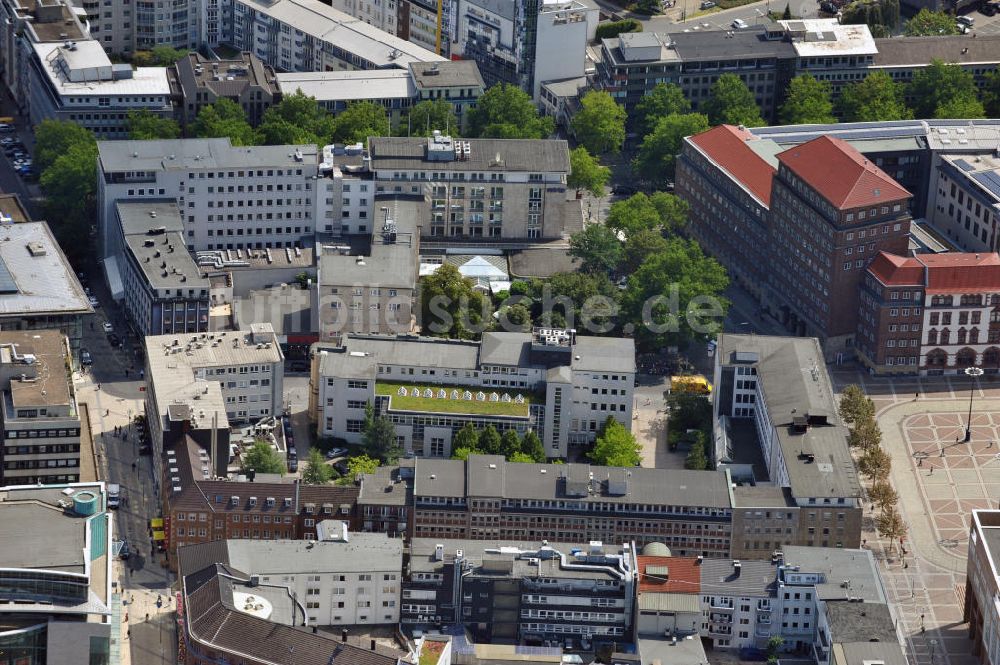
(685, 14)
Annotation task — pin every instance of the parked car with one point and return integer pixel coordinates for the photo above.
(706, 4)
(336, 452)
(293, 465)
(114, 340)
(962, 28)
(27, 172)
(739, 24)
(623, 190)
(85, 358)
(92, 299)
(108, 328)
(342, 467)
(988, 9)
(7, 128)
(8, 140)
(966, 20)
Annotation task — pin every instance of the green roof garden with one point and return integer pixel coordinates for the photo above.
(454, 399)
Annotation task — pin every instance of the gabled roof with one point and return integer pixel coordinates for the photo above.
(948, 272)
(726, 145)
(841, 174)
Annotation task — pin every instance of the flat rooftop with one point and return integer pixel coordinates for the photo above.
(46, 382)
(12, 210)
(218, 349)
(919, 51)
(200, 155)
(153, 237)
(837, 565)
(38, 536)
(455, 399)
(92, 62)
(534, 155)
(362, 552)
(823, 37)
(347, 86)
(226, 78)
(35, 277)
(448, 74)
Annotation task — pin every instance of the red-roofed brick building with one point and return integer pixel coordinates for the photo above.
(796, 228)
(931, 313)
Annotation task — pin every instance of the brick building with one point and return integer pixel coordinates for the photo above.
(931, 313)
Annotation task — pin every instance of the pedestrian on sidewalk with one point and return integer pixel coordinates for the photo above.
(917, 396)
(932, 471)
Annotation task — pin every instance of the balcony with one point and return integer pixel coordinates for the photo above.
(721, 606)
(719, 631)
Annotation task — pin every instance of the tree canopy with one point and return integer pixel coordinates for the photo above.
(731, 102)
(263, 458)
(297, 118)
(426, 116)
(881, 16)
(160, 56)
(876, 98)
(808, 102)
(655, 161)
(943, 88)
(450, 306)
(991, 93)
(225, 118)
(926, 23)
(54, 137)
(663, 100)
(615, 446)
(586, 172)
(379, 437)
(507, 112)
(633, 214)
(599, 124)
(144, 125)
(66, 156)
(598, 248)
(317, 471)
(359, 121)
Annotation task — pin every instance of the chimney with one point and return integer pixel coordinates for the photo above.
(737, 567)
(373, 644)
(343, 635)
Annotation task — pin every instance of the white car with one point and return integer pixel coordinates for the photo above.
(336, 452)
(740, 24)
(108, 328)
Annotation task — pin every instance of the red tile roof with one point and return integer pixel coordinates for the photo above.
(949, 272)
(683, 576)
(841, 174)
(726, 145)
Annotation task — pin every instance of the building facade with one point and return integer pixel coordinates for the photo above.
(982, 611)
(198, 82)
(964, 198)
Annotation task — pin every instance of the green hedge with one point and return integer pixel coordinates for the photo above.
(615, 28)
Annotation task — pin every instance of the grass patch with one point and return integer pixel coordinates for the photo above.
(434, 404)
(430, 653)
(730, 4)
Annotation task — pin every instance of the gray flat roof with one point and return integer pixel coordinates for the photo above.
(837, 565)
(506, 348)
(385, 266)
(860, 622)
(41, 536)
(729, 45)
(46, 382)
(349, 85)
(161, 255)
(919, 51)
(200, 154)
(604, 354)
(793, 379)
(865, 653)
(534, 155)
(450, 74)
(44, 281)
(755, 578)
(363, 552)
(417, 351)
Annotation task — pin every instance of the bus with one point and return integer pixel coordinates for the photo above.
(694, 383)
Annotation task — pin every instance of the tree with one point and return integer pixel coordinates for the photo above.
(599, 125)
(940, 87)
(70, 187)
(663, 100)
(673, 211)
(317, 471)
(489, 441)
(426, 116)
(517, 316)
(865, 435)
(144, 126)
(507, 112)
(774, 644)
(890, 525)
(612, 29)
(655, 161)
(521, 458)
(855, 406)
(615, 446)
(881, 16)
(787, 14)
(450, 306)
(532, 445)
(930, 24)
(634, 214)
(875, 463)
(359, 121)
(466, 438)
(379, 439)
(676, 296)
(298, 119)
(598, 248)
(54, 138)
(263, 458)
(361, 464)
(877, 98)
(883, 495)
(991, 93)
(731, 102)
(696, 458)
(960, 108)
(510, 444)
(690, 411)
(574, 299)
(586, 172)
(648, 7)
(463, 453)
(640, 246)
(225, 118)
(164, 56)
(808, 102)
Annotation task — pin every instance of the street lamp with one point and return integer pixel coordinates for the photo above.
(972, 373)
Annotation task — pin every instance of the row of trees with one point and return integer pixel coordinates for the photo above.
(487, 441)
(858, 411)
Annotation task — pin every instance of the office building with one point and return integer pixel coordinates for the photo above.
(38, 288)
(964, 197)
(247, 366)
(777, 425)
(41, 420)
(197, 82)
(534, 593)
(553, 382)
(486, 498)
(244, 198)
(152, 273)
(77, 81)
(228, 614)
(819, 211)
(296, 35)
(982, 611)
(61, 605)
(491, 189)
(930, 314)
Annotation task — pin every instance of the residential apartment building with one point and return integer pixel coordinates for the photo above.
(553, 382)
(247, 367)
(486, 498)
(384, 499)
(197, 82)
(491, 189)
(227, 614)
(340, 578)
(457, 82)
(819, 211)
(982, 588)
(162, 288)
(931, 313)
(776, 413)
(549, 594)
(296, 35)
(244, 198)
(40, 417)
(39, 289)
(61, 601)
